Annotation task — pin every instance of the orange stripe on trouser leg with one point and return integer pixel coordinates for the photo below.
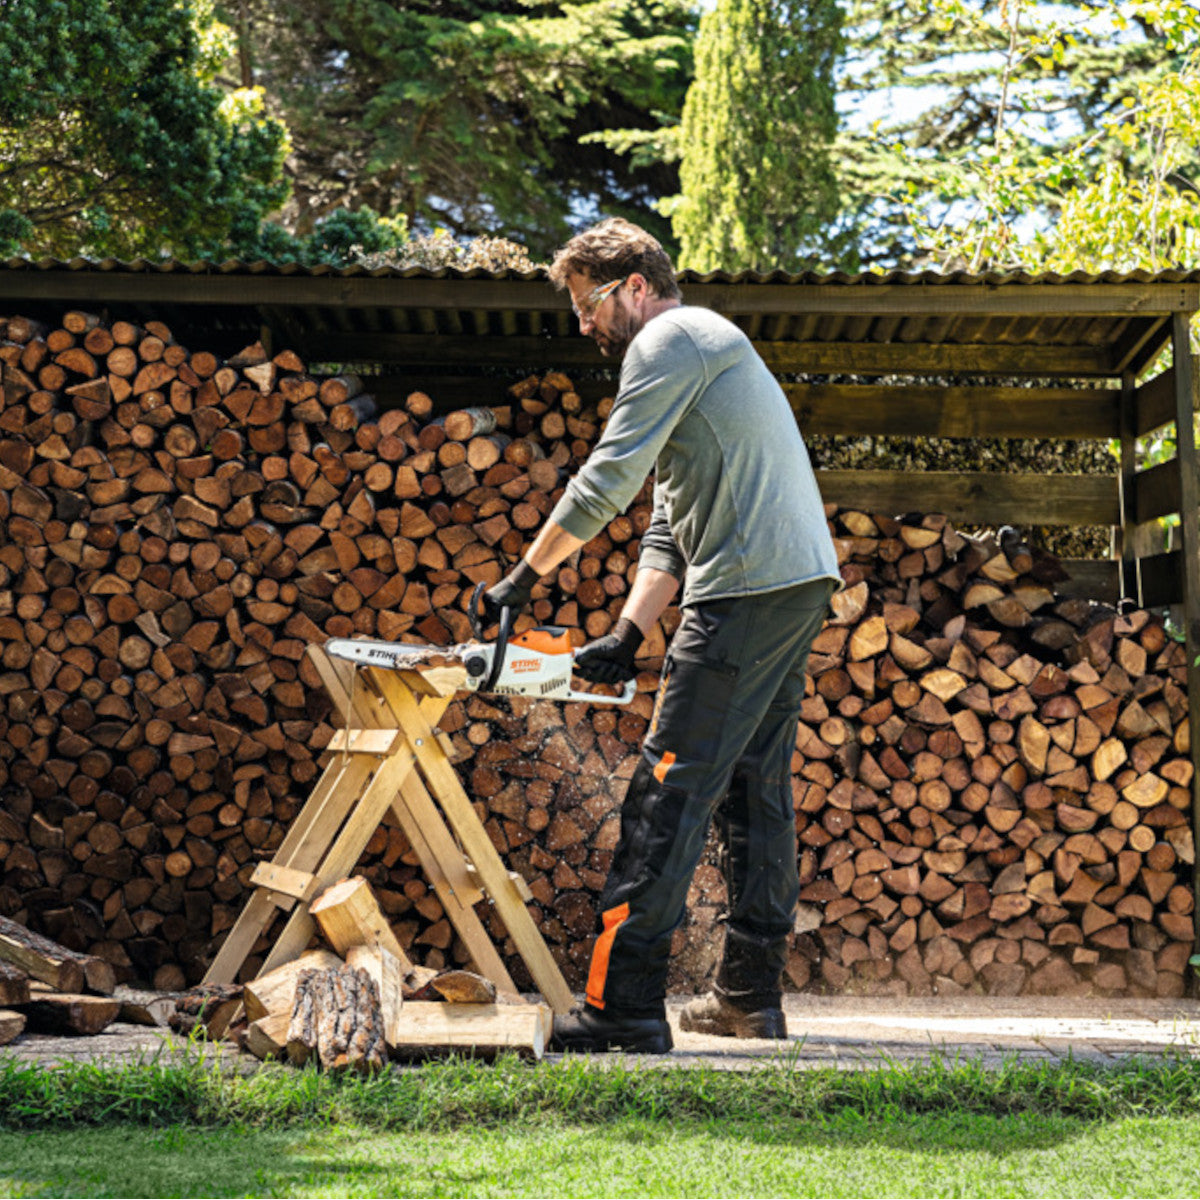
(663, 766)
(598, 975)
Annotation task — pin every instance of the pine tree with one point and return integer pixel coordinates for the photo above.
(114, 139)
(935, 90)
(479, 116)
(758, 190)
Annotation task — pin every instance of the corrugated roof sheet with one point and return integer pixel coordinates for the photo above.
(869, 278)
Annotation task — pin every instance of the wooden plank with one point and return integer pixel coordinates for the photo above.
(300, 885)
(1128, 486)
(1189, 520)
(978, 498)
(1092, 579)
(1156, 491)
(842, 409)
(63, 1012)
(1155, 402)
(816, 358)
(244, 289)
(1162, 579)
(546, 353)
(365, 741)
(444, 784)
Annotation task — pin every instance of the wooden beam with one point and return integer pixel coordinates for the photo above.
(1128, 485)
(1189, 520)
(461, 350)
(451, 392)
(1162, 578)
(526, 353)
(1155, 403)
(246, 288)
(1156, 492)
(978, 498)
(934, 358)
(1091, 578)
(918, 299)
(963, 412)
(1141, 344)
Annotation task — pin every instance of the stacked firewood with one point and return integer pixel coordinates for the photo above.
(175, 531)
(994, 785)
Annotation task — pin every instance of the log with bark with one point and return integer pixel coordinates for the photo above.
(336, 1019)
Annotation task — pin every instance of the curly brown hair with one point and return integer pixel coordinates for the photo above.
(614, 249)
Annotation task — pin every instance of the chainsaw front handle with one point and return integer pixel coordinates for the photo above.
(501, 642)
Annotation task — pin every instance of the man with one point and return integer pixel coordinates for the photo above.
(737, 517)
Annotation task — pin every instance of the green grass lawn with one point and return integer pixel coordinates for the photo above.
(965, 1155)
(574, 1128)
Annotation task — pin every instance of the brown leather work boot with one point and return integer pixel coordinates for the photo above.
(715, 1016)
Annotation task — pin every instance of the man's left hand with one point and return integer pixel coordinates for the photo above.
(610, 659)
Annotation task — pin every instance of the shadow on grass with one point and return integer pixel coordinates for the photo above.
(630, 1156)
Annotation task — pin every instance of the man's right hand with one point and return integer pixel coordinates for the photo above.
(513, 591)
(610, 659)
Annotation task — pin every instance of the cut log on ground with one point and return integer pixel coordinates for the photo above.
(478, 1029)
(62, 1012)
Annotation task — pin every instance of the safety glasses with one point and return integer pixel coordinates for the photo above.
(596, 297)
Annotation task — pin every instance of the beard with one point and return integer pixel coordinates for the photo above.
(621, 331)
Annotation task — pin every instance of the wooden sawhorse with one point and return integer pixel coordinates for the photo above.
(389, 756)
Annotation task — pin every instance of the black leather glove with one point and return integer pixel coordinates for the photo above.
(513, 591)
(610, 659)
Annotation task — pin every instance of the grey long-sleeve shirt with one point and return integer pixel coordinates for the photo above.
(736, 506)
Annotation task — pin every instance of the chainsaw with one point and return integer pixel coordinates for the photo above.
(538, 662)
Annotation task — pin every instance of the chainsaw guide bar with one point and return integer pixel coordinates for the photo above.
(537, 663)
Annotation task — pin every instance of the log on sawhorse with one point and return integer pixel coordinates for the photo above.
(389, 758)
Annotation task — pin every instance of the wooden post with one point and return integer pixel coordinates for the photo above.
(1126, 548)
(1189, 519)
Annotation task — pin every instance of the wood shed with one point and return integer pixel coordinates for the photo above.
(940, 355)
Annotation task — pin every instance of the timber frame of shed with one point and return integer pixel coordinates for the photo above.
(1030, 356)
